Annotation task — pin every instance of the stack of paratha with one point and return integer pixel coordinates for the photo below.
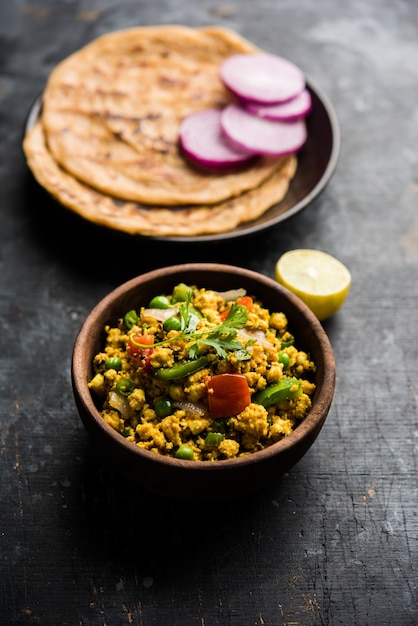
(106, 143)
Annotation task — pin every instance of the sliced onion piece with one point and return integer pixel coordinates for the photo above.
(253, 335)
(160, 314)
(269, 137)
(190, 407)
(261, 77)
(119, 404)
(232, 294)
(293, 109)
(203, 140)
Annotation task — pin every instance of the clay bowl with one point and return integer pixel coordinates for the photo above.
(199, 480)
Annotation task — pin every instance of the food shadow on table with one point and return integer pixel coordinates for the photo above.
(97, 254)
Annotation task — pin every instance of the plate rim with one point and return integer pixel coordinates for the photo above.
(250, 228)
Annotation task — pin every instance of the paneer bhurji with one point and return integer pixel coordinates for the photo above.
(202, 375)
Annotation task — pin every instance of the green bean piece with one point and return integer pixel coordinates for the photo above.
(130, 319)
(220, 425)
(160, 302)
(172, 323)
(185, 452)
(163, 407)
(288, 342)
(181, 293)
(182, 369)
(124, 387)
(113, 363)
(214, 439)
(195, 312)
(284, 358)
(285, 389)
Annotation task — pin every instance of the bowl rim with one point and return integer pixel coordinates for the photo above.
(309, 425)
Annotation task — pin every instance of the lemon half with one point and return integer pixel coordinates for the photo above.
(320, 280)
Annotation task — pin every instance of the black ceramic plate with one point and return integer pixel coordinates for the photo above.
(316, 164)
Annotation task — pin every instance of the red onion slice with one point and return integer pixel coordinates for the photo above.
(203, 140)
(269, 137)
(160, 314)
(262, 77)
(232, 294)
(191, 407)
(293, 109)
(119, 404)
(258, 336)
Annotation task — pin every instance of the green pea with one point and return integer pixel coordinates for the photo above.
(130, 319)
(284, 358)
(113, 363)
(185, 452)
(172, 323)
(163, 407)
(160, 302)
(124, 387)
(214, 439)
(181, 293)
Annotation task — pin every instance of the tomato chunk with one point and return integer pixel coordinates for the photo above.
(246, 301)
(228, 394)
(137, 350)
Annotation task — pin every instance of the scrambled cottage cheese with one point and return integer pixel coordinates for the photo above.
(202, 375)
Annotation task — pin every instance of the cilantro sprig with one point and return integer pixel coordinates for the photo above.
(221, 338)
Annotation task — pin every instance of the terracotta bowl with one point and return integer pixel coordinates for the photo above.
(200, 480)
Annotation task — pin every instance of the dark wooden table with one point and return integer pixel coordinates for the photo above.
(335, 541)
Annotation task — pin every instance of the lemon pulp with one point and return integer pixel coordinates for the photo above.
(320, 280)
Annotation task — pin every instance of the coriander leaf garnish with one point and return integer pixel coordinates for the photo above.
(189, 320)
(236, 318)
(221, 337)
(221, 345)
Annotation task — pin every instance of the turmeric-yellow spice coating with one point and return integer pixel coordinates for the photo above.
(202, 375)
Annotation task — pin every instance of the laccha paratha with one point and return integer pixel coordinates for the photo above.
(158, 221)
(106, 144)
(112, 110)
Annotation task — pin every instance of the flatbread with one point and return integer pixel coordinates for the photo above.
(106, 142)
(112, 112)
(132, 218)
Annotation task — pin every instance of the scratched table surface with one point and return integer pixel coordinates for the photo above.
(335, 540)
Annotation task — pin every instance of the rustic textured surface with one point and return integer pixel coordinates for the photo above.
(336, 540)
